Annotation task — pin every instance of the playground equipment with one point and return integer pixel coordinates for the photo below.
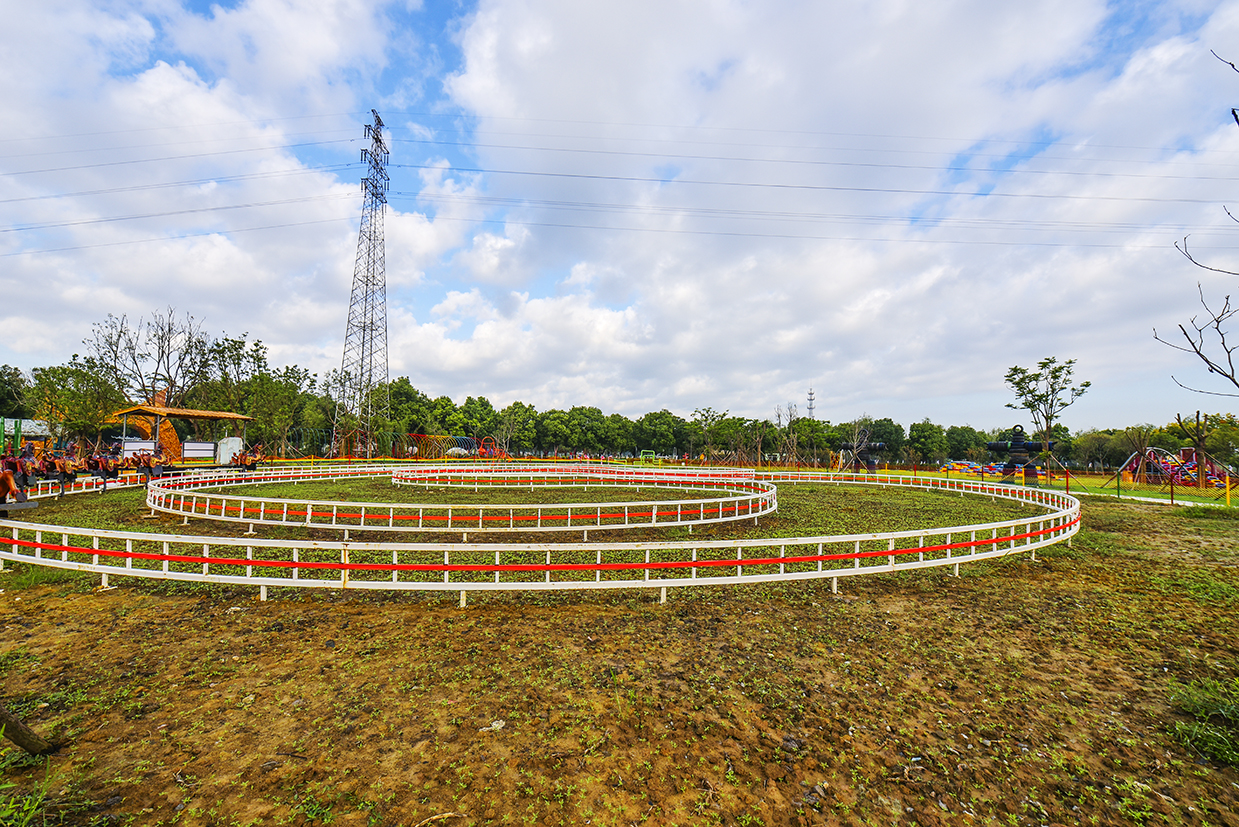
(489, 449)
(493, 566)
(1157, 466)
(858, 455)
(429, 446)
(1018, 449)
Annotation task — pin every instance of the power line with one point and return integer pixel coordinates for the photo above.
(178, 125)
(768, 131)
(174, 237)
(253, 176)
(176, 157)
(169, 213)
(811, 187)
(505, 222)
(811, 162)
(772, 215)
(155, 146)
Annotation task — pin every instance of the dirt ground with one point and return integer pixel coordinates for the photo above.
(1020, 693)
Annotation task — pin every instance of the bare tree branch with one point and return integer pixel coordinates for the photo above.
(1224, 60)
(1187, 254)
(1197, 390)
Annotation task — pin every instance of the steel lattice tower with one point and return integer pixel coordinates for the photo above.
(363, 396)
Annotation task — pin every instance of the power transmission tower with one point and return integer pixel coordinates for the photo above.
(363, 395)
(811, 402)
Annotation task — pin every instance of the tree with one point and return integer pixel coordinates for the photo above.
(928, 441)
(1196, 433)
(276, 401)
(1045, 392)
(163, 354)
(410, 408)
(75, 399)
(475, 418)
(1218, 356)
(785, 418)
(888, 432)
(619, 434)
(1094, 447)
(964, 441)
(515, 428)
(553, 430)
(814, 437)
(657, 431)
(1223, 441)
(587, 429)
(707, 419)
(13, 388)
(1207, 339)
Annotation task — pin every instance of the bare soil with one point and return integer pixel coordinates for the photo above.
(1020, 693)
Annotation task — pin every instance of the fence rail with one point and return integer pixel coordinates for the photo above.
(190, 495)
(466, 567)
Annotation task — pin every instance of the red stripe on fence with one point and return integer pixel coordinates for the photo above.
(531, 567)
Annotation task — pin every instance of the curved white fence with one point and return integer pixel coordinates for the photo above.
(468, 567)
(744, 498)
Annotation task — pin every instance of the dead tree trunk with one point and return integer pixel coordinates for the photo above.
(22, 735)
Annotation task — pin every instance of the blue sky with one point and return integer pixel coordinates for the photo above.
(640, 205)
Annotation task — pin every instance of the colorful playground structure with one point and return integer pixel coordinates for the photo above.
(1157, 466)
(965, 467)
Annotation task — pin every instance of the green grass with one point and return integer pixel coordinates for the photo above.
(22, 576)
(1214, 704)
(1205, 585)
(1205, 512)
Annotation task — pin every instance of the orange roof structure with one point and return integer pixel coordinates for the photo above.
(181, 413)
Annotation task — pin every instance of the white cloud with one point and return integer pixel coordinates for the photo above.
(633, 264)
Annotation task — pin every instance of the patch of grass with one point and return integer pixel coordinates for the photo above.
(1215, 706)
(27, 577)
(1206, 512)
(14, 657)
(19, 809)
(1202, 585)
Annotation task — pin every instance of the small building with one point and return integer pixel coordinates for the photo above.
(154, 419)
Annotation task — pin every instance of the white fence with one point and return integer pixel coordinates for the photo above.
(190, 495)
(468, 567)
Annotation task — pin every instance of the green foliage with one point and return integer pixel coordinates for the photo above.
(475, 418)
(553, 431)
(76, 399)
(888, 432)
(965, 442)
(13, 389)
(27, 577)
(21, 810)
(1215, 706)
(516, 428)
(18, 809)
(1044, 392)
(928, 441)
(658, 432)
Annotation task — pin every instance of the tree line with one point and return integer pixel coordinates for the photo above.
(171, 360)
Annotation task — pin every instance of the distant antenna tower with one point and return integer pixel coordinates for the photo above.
(811, 416)
(364, 367)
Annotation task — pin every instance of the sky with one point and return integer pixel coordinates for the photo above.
(641, 205)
